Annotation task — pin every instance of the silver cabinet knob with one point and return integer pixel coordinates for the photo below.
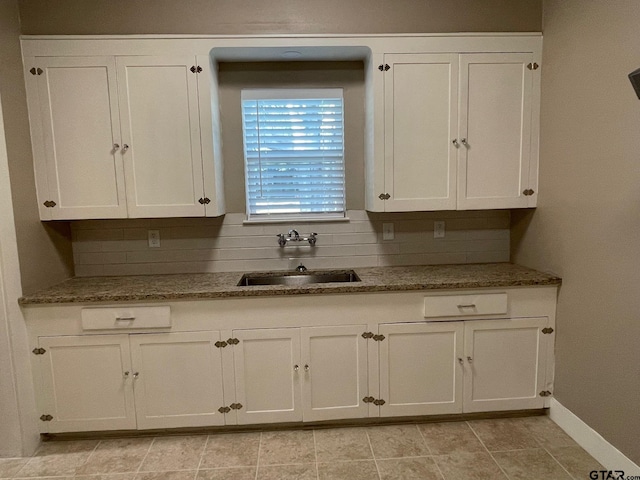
(455, 142)
(125, 147)
(464, 142)
(125, 374)
(306, 368)
(135, 375)
(469, 359)
(116, 147)
(460, 361)
(296, 368)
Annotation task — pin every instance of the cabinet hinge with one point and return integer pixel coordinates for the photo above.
(384, 196)
(533, 66)
(233, 341)
(36, 71)
(545, 393)
(235, 406)
(368, 399)
(384, 68)
(378, 338)
(220, 344)
(528, 192)
(367, 335)
(547, 330)
(49, 204)
(46, 418)
(224, 409)
(38, 351)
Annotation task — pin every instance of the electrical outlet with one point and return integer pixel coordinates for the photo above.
(438, 229)
(154, 238)
(387, 231)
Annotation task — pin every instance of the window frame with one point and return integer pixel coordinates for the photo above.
(293, 94)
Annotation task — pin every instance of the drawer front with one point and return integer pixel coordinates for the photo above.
(123, 318)
(465, 305)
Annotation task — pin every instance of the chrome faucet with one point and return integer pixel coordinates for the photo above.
(294, 236)
(301, 268)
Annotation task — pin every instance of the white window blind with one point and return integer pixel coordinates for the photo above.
(294, 153)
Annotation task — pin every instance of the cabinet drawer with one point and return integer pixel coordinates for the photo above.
(465, 305)
(122, 318)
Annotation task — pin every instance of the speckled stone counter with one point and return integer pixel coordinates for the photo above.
(224, 285)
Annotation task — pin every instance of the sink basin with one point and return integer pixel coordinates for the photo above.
(295, 278)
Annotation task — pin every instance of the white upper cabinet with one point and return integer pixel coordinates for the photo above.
(76, 133)
(124, 136)
(495, 131)
(460, 132)
(161, 136)
(420, 119)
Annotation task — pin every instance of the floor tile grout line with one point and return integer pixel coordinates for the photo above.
(424, 439)
(560, 463)
(258, 459)
(315, 451)
(89, 457)
(204, 449)
(488, 451)
(373, 454)
(153, 440)
(477, 436)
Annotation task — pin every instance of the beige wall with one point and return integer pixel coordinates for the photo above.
(44, 250)
(587, 225)
(278, 16)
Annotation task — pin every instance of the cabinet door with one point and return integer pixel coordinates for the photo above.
(495, 130)
(420, 123)
(78, 150)
(334, 368)
(177, 379)
(161, 127)
(504, 364)
(420, 368)
(268, 373)
(86, 383)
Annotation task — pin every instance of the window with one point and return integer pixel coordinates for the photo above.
(294, 153)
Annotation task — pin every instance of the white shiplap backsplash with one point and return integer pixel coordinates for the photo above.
(193, 245)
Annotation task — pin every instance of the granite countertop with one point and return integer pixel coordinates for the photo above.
(224, 285)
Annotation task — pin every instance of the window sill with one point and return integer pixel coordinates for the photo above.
(295, 220)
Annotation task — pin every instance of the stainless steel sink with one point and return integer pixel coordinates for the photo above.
(295, 278)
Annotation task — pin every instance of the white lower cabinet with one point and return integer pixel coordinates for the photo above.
(86, 383)
(177, 379)
(294, 374)
(117, 382)
(505, 364)
(454, 367)
(491, 351)
(419, 369)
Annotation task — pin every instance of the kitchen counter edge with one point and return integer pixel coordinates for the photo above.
(196, 286)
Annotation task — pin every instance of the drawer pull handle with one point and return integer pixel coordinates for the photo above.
(125, 319)
(470, 305)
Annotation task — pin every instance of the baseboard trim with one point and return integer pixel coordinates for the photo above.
(590, 440)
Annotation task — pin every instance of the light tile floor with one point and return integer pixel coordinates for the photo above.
(514, 449)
